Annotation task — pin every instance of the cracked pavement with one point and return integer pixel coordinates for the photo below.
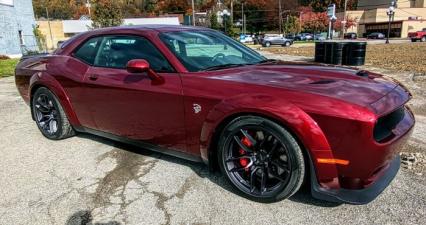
(91, 180)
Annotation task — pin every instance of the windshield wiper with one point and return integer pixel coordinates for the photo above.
(223, 66)
(269, 61)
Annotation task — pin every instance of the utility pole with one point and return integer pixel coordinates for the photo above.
(344, 19)
(280, 16)
(232, 12)
(50, 29)
(243, 17)
(193, 13)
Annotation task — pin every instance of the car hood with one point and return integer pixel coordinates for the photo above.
(344, 83)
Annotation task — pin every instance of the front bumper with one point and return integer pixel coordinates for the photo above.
(357, 197)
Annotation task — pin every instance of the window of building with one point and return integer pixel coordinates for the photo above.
(21, 37)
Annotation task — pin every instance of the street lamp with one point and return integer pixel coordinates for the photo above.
(224, 14)
(390, 12)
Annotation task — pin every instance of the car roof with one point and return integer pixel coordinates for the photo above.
(152, 27)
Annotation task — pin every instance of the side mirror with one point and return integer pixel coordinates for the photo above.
(142, 66)
(137, 66)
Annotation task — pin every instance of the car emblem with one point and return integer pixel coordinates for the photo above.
(197, 108)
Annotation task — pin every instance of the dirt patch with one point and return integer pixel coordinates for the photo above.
(398, 57)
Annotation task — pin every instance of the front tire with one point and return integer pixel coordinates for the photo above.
(268, 44)
(49, 115)
(261, 159)
(423, 39)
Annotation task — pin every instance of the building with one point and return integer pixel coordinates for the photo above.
(60, 30)
(16, 27)
(371, 16)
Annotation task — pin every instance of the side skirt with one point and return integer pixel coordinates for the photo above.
(141, 144)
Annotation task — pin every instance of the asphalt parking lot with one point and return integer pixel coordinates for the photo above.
(90, 180)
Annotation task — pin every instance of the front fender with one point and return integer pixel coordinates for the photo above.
(292, 117)
(48, 81)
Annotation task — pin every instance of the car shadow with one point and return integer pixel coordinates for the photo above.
(302, 196)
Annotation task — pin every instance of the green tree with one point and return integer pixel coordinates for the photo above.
(106, 13)
(40, 38)
(213, 21)
(291, 25)
(228, 26)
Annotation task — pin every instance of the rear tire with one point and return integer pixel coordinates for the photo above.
(413, 40)
(423, 39)
(272, 168)
(268, 44)
(49, 115)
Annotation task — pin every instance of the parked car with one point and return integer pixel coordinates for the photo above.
(376, 35)
(246, 39)
(276, 40)
(290, 36)
(319, 37)
(304, 37)
(350, 36)
(418, 36)
(195, 93)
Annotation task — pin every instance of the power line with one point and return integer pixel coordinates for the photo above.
(409, 12)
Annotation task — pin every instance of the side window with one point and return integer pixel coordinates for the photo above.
(87, 51)
(116, 51)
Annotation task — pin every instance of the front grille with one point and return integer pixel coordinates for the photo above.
(385, 125)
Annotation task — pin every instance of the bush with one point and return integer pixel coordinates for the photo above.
(4, 57)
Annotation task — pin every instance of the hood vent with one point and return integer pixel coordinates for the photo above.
(323, 82)
(362, 73)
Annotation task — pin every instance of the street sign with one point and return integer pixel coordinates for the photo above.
(331, 11)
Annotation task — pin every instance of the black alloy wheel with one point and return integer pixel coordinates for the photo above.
(50, 116)
(261, 159)
(46, 114)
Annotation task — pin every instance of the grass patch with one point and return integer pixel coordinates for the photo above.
(7, 67)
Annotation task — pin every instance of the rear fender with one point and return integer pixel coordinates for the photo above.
(46, 80)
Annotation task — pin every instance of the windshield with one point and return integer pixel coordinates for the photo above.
(209, 50)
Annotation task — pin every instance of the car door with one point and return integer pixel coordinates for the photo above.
(130, 104)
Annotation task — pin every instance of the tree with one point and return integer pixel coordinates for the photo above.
(291, 25)
(313, 21)
(321, 5)
(57, 9)
(40, 38)
(213, 22)
(106, 13)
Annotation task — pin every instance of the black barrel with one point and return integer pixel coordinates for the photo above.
(338, 53)
(329, 55)
(356, 53)
(320, 52)
(341, 53)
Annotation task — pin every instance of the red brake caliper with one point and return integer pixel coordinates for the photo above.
(244, 162)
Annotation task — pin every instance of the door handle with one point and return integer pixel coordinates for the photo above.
(93, 77)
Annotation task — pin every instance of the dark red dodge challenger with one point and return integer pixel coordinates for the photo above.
(195, 93)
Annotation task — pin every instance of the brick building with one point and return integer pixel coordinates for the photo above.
(410, 16)
(16, 27)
